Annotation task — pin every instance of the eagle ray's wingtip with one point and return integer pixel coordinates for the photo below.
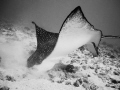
(33, 22)
(78, 7)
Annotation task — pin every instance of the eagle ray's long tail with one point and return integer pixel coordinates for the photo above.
(110, 36)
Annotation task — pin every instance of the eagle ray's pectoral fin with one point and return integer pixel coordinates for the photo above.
(92, 48)
(46, 42)
(33, 59)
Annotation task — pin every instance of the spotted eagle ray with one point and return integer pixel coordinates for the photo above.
(75, 32)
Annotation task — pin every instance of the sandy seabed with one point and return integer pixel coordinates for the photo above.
(77, 71)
